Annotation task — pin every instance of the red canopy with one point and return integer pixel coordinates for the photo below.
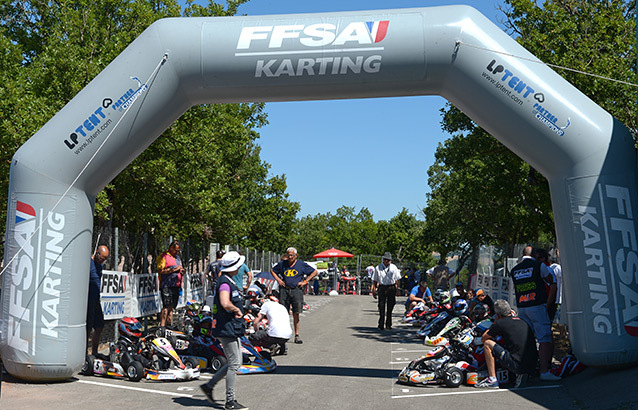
(333, 253)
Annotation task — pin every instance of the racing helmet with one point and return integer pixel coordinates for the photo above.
(130, 328)
(460, 307)
(204, 326)
(480, 311)
(444, 296)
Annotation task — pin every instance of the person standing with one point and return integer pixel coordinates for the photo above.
(239, 277)
(228, 327)
(384, 286)
(94, 314)
(290, 274)
(533, 301)
(518, 354)
(212, 271)
(170, 270)
(441, 275)
(370, 270)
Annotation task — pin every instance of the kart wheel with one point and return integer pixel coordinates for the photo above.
(453, 377)
(191, 363)
(87, 367)
(218, 362)
(135, 371)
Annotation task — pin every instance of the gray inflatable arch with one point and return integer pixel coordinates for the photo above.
(587, 156)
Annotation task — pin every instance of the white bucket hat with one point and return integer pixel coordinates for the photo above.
(232, 261)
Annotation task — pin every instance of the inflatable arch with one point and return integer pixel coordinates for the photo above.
(454, 51)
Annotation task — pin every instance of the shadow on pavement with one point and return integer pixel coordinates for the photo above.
(338, 371)
(400, 334)
(193, 402)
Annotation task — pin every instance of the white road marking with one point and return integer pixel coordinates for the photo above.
(135, 388)
(477, 391)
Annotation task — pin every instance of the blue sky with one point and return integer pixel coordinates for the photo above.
(370, 153)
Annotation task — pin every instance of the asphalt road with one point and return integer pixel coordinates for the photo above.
(344, 362)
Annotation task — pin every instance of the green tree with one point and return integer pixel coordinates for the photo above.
(484, 194)
(202, 178)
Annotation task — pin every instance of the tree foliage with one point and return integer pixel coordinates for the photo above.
(358, 233)
(203, 177)
(481, 192)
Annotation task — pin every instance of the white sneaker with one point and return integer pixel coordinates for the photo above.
(549, 377)
(487, 383)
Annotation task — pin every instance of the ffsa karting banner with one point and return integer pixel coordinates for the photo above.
(116, 295)
(138, 295)
(146, 295)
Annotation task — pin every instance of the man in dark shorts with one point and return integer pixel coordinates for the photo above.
(94, 314)
(290, 274)
(519, 354)
(170, 270)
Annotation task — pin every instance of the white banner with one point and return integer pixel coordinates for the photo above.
(497, 287)
(146, 294)
(115, 295)
(138, 295)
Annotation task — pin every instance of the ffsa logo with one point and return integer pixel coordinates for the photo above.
(313, 35)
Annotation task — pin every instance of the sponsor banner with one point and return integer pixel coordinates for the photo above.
(146, 295)
(605, 226)
(497, 287)
(311, 50)
(195, 287)
(35, 304)
(116, 295)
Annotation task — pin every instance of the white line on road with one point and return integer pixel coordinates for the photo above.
(473, 392)
(411, 351)
(409, 361)
(135, 388)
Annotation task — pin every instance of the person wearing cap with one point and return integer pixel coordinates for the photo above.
(170, 270)
(419, 294)
(384, 287)
(481, 297)
(228, 327)
(278, 331)
(441, 275)
(290, 274)
(518, 354)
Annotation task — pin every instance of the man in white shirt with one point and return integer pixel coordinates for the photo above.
(279, 329)
(384, 281)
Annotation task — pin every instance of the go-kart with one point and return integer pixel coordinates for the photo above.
(451, 329)
(255, 360)
(165, 363)
(101, 366)
(443, 365)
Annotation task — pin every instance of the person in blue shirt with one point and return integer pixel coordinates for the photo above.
(293, 275)
(419, 293)
(239, 277)
(94, 314)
